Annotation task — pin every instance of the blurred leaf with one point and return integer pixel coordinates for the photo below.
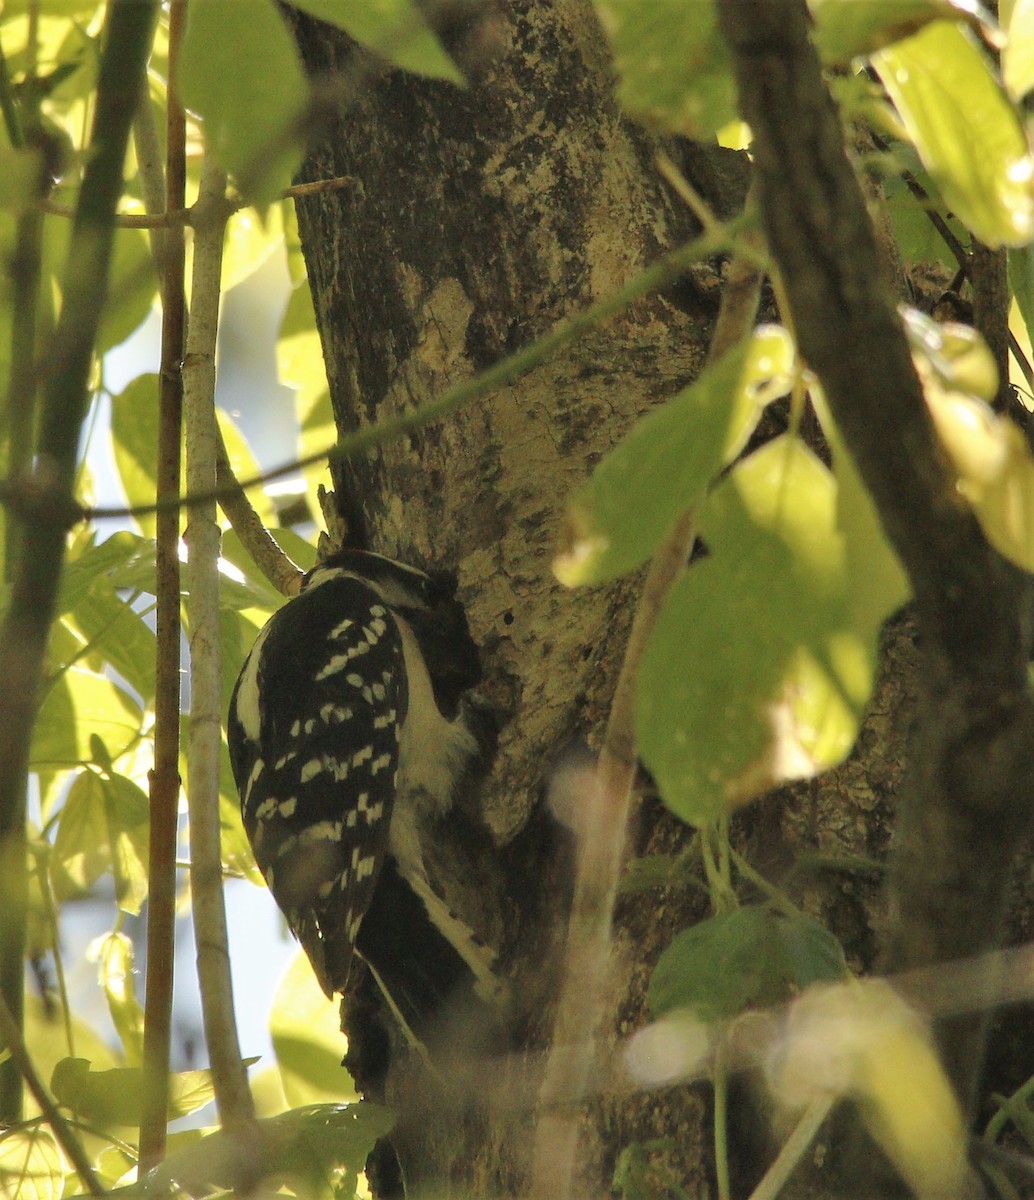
(1021, 284)
(54, 8)
(77, 704)
(320, 1150)
(115, 1097)
(102, 827)
(751, 957)
(294, 546)
(300, 365)
(635, 496)
(845, 29)
(995, 470)
(251, 240)
(241, 73)
(245, 465)
(136, 572)
(1018, 52)
(19, 172)
(395, 29)
(918, 238)
(673, 71)
(307, 1039)
(877, 585)
(134, 439)
(966, 131)
(131, 289)
(861, 1039)
(120, 636)
(955, 355)
(45, 1033)
(32, 1166)
(757, 670)
(116, 964)
(131, 811)
(93, 562)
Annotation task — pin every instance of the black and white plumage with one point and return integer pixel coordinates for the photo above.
(349, 730)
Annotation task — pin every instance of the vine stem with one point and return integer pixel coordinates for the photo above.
(609, 807)
(599, 868)
(233, 1097)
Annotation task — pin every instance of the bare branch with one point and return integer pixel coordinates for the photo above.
(202, 536)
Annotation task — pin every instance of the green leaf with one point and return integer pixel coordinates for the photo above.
(131, 289)
(919, 240)
(1018, 53)
(130, 821)
(307, 1038)
(757, 671)
(751, 957)
(966, 131)
(93, 562)
(242, 74)
(78, 704)
(994, 467)
(674, 70)
(955, 355)
(845, 29)
(245, 465)
(32, 1166)
(311, 1144)
(664, 465)
(120, 637)
(134, 439)
(320, 1150)
(137, 572)
(1021, 284)
(877, 585)
(115, 968)
(103, 827)
(19, 172)
(115, 1097)
(395, 29)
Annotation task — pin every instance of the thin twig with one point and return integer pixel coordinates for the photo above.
(170, 217)
(599, 868)
(794, 1149)
(277, 566)
(10, 1034)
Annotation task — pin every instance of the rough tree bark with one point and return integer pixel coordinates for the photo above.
(479, 219)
